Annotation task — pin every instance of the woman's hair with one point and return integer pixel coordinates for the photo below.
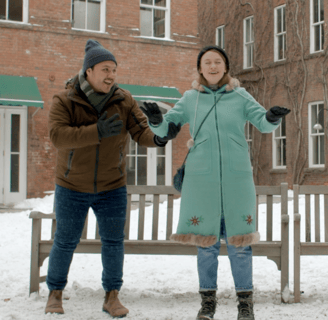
(226, 78)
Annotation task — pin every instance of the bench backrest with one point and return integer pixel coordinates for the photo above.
(170, 192)
(310, 214)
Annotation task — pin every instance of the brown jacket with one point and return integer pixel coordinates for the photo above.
(84, 163)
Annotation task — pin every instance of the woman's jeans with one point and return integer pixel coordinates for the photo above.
(71, 210)
(240, 261)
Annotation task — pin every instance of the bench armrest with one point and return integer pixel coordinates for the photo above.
(41, 215)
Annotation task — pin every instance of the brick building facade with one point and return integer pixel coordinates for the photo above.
(279, 52)
(155, 44)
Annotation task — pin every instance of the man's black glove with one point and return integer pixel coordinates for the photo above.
(151, 110)
(109, 127)
(171, 134)
(276, 113)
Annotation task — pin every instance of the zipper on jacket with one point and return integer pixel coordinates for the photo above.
(69, 163)
(96, 170)
(217, 130)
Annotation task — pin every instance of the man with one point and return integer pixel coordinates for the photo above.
(89, 124)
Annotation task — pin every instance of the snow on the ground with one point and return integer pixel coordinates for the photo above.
(155, 287)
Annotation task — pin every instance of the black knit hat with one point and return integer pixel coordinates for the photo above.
(216, 48)
(96, 53)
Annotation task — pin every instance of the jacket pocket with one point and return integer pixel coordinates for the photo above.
(239, 155)
(199, 160)
(69, 163)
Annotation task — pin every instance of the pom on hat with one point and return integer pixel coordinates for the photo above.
(96, 53)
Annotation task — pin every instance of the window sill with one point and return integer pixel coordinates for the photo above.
(154, 38)
(15, 22)
(278, 170)
(91, 31)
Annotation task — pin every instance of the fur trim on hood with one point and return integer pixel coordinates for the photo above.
(208, 241)
(233, 83)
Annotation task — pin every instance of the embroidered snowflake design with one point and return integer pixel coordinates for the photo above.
(248, 219)
(194, 221)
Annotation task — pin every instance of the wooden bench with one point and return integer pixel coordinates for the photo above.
(274, 250)
(308, 247)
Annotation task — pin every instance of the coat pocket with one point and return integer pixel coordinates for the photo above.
(239, 155)
(69, 163)
(199, 160)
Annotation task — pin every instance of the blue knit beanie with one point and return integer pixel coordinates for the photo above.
(95, 53)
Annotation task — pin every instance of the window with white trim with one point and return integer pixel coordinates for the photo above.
(248, 42)
(317, 21)
(220, 36)
(89, 15)
(280, 33)
(316, 134)
(14, 10)
(279, 146)
(155, 18)
(248, 136)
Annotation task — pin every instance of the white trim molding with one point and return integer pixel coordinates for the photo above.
(316, 135)
(248, 42)
(280, 33)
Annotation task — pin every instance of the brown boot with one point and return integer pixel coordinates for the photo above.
(113, 306)
(54, 304)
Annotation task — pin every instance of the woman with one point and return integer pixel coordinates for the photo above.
(218, 193)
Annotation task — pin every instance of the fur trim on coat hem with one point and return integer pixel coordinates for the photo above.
(244, 240)
(195, 239)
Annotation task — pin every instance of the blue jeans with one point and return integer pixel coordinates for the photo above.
(71, 210)
(240, 261)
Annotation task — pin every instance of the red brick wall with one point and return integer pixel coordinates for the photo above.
(272, 90)
(48, 49)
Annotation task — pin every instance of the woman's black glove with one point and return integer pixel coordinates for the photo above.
(276, 113)
(151, 110)
(171, 134)
(109, 127)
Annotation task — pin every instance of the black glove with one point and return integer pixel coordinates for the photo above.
(109, 127)
(276, 113)
(151, 110)
(171, 134)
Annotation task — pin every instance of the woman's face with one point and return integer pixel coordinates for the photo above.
(212, 67)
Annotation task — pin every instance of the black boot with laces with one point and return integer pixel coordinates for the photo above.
(209, 302)
(245, 307)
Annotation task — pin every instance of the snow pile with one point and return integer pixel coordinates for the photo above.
(155, 287)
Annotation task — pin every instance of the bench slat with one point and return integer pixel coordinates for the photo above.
(141, 220)
(169, 222)
(85, 228)
(269, 217)
(307, 218)
(326, 216)
(155, 217)
(317, 217)
(127, 220)
(257, 213)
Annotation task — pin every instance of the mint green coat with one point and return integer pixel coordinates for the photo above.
(218, 175)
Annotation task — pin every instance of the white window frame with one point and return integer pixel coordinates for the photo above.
(25, 13)
(249, 43)
(220, 31)
(282, 34)
(102, 18)
(248, 137)
(312, 27)
(275, 140)
(312, 135)
(167, 11)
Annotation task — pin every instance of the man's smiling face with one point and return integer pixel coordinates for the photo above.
(102, 76)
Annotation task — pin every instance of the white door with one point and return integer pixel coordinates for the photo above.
(13, 148)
